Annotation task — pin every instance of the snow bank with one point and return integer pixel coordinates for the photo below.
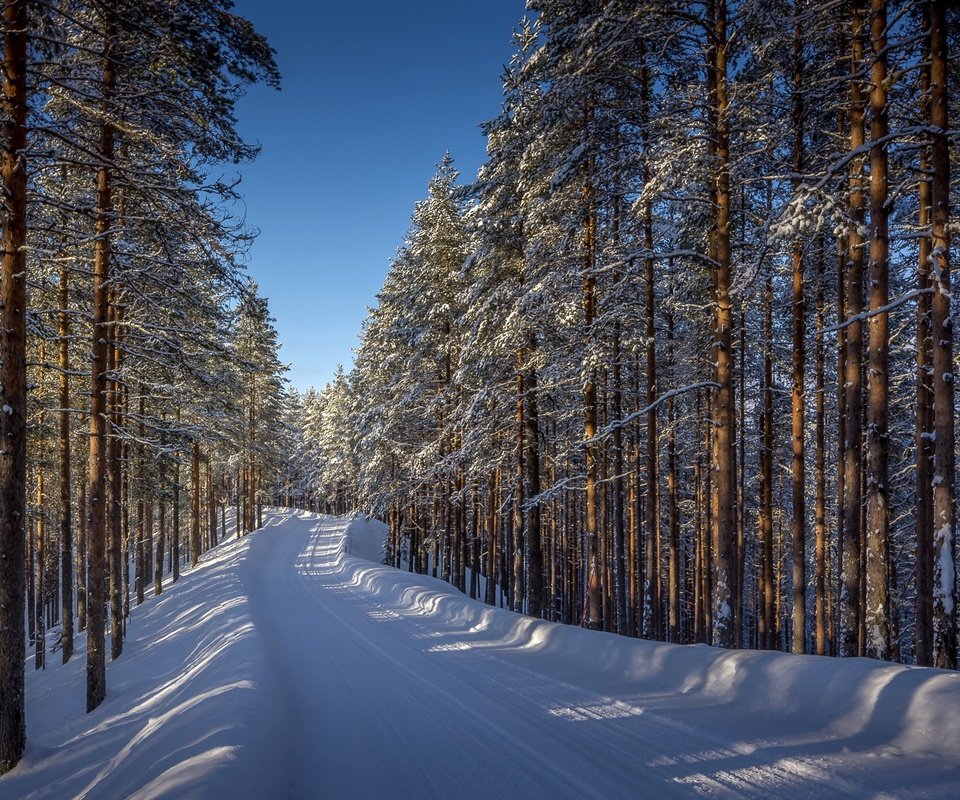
(187, 706)
(365, 538)
(856, 703)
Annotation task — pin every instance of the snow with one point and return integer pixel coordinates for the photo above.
(282, 666)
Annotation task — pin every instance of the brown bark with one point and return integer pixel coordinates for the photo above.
(81, 562)
(850, 599)
(651, 595)
(175, 531)
(13, 430)
(741, 483)
(619, 531)
(723, 589)
(99, 456)
(877, 610)
(798, 472)
(195, 496)
(161, 534)
(923, 637)
(592, 599)
(139, 564)
(40, 631)
(114, 476)
(765, 522)
(490, 588)
(66, 506)
(516, 544)
(821, 618)
(211, 508)
(944, 544)
(532, 532)
(673, 516)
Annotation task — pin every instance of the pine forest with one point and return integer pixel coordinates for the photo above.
(675, 364)
(679, 363)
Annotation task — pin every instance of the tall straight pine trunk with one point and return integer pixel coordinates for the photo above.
(877, 606)
(850, 599)
(798, 472)
(724, 435)
(944, 520)
(13, 423)
(99, 456)
(66, 505)
(592, 617)
(923, 636)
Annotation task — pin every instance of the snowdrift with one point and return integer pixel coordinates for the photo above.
(187, 704)
(858, 703)
(192, 705)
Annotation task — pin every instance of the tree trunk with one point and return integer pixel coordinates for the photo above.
(767, 625)
(944, 543)
(673, 516)
(923, 638)
(99, 455)
(850, 603)
(724, 435)
(532, 517)
(798, 472)
(161, 534)
(175, 532)
(821, 621)
(81, 562)
(592, 600)
(516, 544)
(66, 509)
(619, 538)
(878, 513)
(13, 423)
(195, 517)
(40, 632)
(837, 587)
(114, 478)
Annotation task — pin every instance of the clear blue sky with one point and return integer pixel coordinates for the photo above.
(373, 94)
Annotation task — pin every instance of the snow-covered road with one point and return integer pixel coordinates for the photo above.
(284, 666)
(396, 686)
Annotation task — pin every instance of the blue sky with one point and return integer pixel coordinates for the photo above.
(373, 94)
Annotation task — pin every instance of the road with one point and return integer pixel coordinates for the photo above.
(394, 686)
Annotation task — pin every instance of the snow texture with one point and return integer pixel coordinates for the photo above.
(283, 667)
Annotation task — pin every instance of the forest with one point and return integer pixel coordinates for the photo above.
(678, 363)
(140, 374)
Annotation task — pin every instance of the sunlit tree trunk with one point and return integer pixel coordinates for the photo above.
(878, 512)
(944, 543)
(99, 455)
(724, 435)
(850, 599)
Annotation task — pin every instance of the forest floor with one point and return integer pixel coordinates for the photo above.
(288, 665)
